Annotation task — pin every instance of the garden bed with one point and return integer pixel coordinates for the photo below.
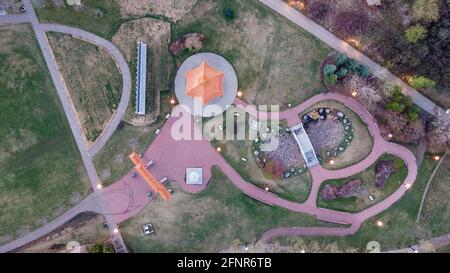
(341, 195)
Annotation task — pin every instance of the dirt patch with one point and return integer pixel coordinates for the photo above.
(86, 228)
(172, 9)
(10, 6)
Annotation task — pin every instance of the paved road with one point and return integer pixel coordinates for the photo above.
(339, 45)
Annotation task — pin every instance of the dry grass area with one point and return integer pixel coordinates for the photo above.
(276, 62)
(295, 188)
(436, 208)
(171, 9)
(10, 6)
(362, 143)
(85, 231)
(93, 79)
(209, 221)
(156, 33)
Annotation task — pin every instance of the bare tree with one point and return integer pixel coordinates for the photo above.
(364, 91)
(442, 126)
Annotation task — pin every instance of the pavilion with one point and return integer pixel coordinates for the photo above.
(206, 84)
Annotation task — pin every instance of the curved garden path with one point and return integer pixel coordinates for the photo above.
(122, 65)
(127, 197)
(320, 174)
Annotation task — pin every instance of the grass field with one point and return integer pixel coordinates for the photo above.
(99, 17)
(276, 62)
(210, 221)
(41, 173)
(436, 209)
(361, 144)
(93, 80)
(355, 204)
(400, 228)
(295, 188)
(112, 161)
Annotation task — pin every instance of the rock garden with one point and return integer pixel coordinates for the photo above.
(330, 131)
(277, 153)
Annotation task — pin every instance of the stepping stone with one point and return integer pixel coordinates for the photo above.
(340, 114)
(327, 110)
(345, 120)
(347, 127)
(256, 153)
(341, 148)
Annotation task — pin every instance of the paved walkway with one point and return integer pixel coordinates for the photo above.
(334, 42)
(172, 157)
(127, 197)
(63, 93)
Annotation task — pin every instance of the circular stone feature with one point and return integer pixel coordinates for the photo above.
(214, 106)
(325, 134)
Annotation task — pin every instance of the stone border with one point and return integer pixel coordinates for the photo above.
(230, 85)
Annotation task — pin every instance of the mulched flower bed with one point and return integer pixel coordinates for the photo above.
(285, 160)
(353, 188)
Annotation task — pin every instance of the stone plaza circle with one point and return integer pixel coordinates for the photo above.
(230, 85)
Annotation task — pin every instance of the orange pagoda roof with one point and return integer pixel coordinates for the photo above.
(204, 83)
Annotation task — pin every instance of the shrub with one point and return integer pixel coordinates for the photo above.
(419, 82)
(398, 163)
(415, 33)
(228, 11)
(351, 65)
(331, 79)
(362, 71)
(403, 104)
(329, 69)
(100, 248)
(413, 113)
(341, 73)
(351, 23)
(426, 10)
(318, 10)
(341, 59)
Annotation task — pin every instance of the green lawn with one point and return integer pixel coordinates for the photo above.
(41, 172)
(276, 62)
(400, 228)
(112, 161)
(355, 204)
(209, 221)
(436, 209)
(101, 17)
